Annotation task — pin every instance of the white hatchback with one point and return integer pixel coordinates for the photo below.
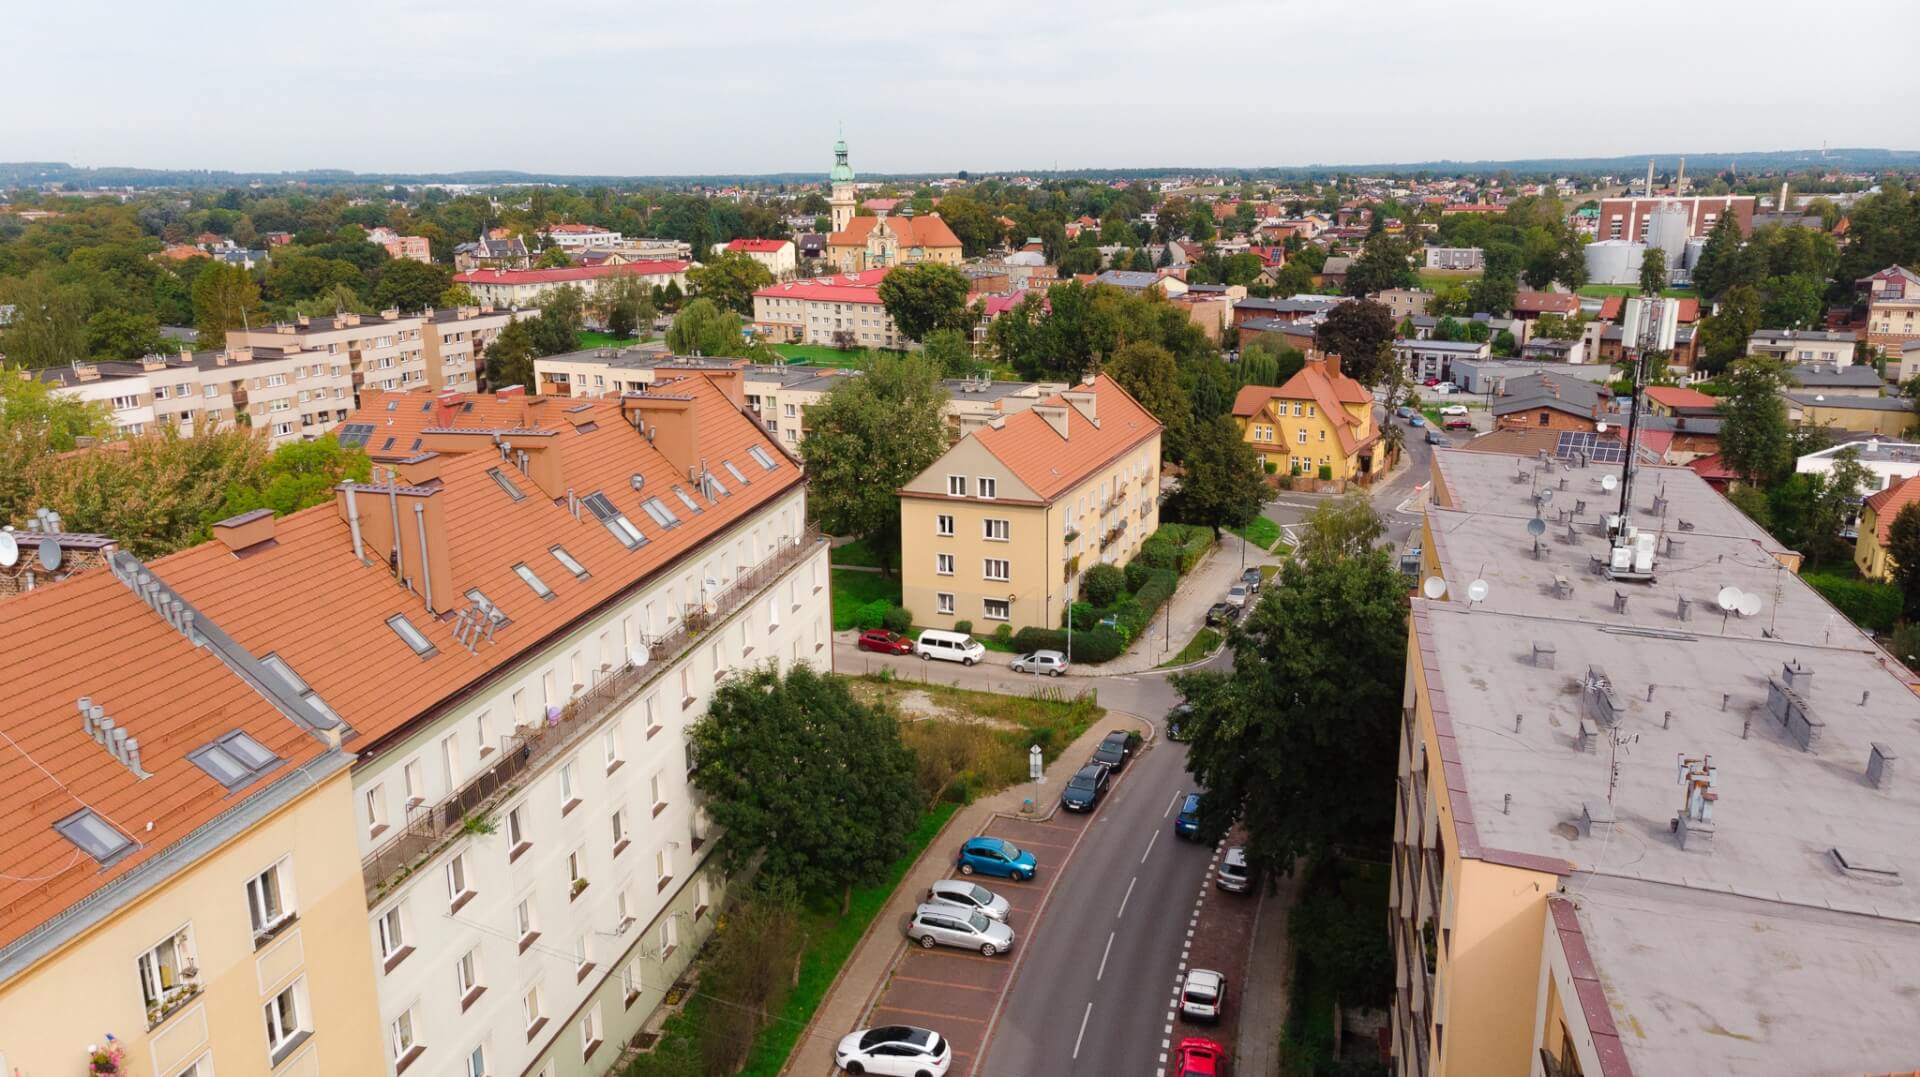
(896, 1051)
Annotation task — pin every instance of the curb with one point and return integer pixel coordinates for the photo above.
(1147, 741)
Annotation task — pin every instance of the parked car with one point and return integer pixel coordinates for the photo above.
(1444, 388)
(1237, 595)
(1199, 1057)
(894, 1051)
(1435, 437)
(1177, 720)
(1203, 995)
(1232, 876)
(1187, 823)
(1115, 749)
(1403, 412)
(966, 895)
(1051, 663)
(992, 856)
(1252, 579)
(1086, 787)
(1221, 614)
(1416, 420)
(879, 639)
(1458, 422)
(1454, 409)
(1431, 382)
(950, 646)
(944, 925)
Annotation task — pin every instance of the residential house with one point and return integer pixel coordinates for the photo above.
(1834, 380)
(1891, 462)
(1432, 360)
(523, 288)
(1805, 346)
(842, 311)
(1297, 308)
(1528, 306)
(1404, 303)
(1879, 416)
(777, 255)
(1556, 402)
(1319, 422)
(1211, 312)
(593, 372)
(1334, 272)
(455, 344)
(1296, 335)
(1140, 283)
(1550, 350)
(496, 250)
(291, 393)
(1456, 259)
(396, 245)
(1874, 530)
(1893, 308)
(1674, 400)
(1000, 529)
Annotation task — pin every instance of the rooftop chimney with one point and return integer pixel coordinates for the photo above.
(1055, 415)
(422, 533)
(246, 531)
(669, 422)
(1880, 765)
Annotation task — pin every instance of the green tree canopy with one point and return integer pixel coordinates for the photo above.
(1724, 333)
(1148, 372)
(704, 328)
(1755, 441)
(411, 285)
(1903, 550)
(1653, 271)
(510, 357)
(924, 297)
(1361, 333)
(870, 436)
(1224, 485)
(557, 329)
(730, 281)
(224, 297)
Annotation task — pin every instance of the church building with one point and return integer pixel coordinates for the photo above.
(882, 241)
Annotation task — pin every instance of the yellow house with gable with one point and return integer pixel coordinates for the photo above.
(1320, 418)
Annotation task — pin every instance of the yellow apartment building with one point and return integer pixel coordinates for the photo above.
(1000, 528)
(1319, 418)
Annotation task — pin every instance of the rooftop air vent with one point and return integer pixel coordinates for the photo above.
(1854, 865)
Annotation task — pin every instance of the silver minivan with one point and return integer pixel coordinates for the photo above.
(947, 925)
(951, 646)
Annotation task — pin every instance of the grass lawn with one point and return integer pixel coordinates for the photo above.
(1433, 278)
(1262, 532)
(1268, 572)
(1200, 646)
(856, 552)
(853, 589)
(830, 938)
(1048, 715)
(591, 339)
(1601, 291)
(819, 355)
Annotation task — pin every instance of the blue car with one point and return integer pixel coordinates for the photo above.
(1187, 823)
(992, 856)
(1416, 420)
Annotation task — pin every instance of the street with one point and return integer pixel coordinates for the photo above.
(1292, 508)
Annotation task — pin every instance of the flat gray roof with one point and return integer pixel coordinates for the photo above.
(1758, 955)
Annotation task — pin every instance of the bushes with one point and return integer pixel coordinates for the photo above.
(1136, 574)
(1326, 472)
(898, 619)
(1102, 584)
(963, 627)
(1003, 632)
(1093, 646)
(1867, 603)
(881, 613)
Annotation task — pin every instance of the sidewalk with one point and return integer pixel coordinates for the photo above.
(1186, 611)
(871, 963)
(1264, 997)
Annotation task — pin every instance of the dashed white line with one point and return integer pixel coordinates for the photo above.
(1083, 1030)
(1103, 957)
(1150, 841)
(1171, 804)
(1123, 900)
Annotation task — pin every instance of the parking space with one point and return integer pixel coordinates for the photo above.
(1218, 935)
(958, 993)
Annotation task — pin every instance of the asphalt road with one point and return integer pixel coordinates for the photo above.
(1292, 508)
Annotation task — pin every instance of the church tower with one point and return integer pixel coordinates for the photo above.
(842, 179)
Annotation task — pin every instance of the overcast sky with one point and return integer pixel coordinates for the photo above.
(721, 86)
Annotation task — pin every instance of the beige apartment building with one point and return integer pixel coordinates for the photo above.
(289, 393)
(1893, 309)
(455, 344)
(1635, 833)
(596, 372)
(522, 289)
(1000, 528)
(841, 311)
(383, 351)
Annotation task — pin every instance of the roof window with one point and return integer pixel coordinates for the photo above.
(480, 599)
(623, 529)
(285, 672)
(234, 760)
(568, 562)
(689, 502)
(661, 514)
(734, 471)
(505, 483)
(714, 485)
(403, 628)
(533, 580)
(95, 836)
(760, 457)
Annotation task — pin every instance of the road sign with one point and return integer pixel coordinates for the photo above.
(1035, 769)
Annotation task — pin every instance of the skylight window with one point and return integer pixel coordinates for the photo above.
(734, 471)
(539, 587)
(568, 562)
(413, 636)
(661, 514)
(234, 760)
(479, 598)
(355, 434)
(760, 457)
(95, 836)
(506, 484)
(279, 666)
(714, 484)
(603, 510)
(393, 405)
(689, 502)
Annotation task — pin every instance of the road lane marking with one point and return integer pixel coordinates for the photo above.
(1103, 957)
(1123, 900)
(898, 978)
(1150, 841)
(1171, 804)
(925, 1013)
(1083, 1030)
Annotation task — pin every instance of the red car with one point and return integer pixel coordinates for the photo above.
(879, 639)
(1199, 1057)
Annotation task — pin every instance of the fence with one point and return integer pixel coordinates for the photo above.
(427, 828)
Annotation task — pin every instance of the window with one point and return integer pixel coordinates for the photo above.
(1300, 435)
(956, 486)
(616, 521)
(610, 747)
(416, 783)
(284, 1026)
(530, 1010)
(994, 568)
(620, 840)
(663, 867)
(569, 785)
(996, 530)
(234, 760)
(269, 900)
(450, 760)
(517, 831)
(943, 564)
(987, 486)
(943, 525)
(533, 580)
(789, 411)
(659, 802)
(661, 514)
(945, 600)
(163, 983)
(393, 936)
(760, 457)
(400, 1039)
(411, 635)
(459, 889)
(582, 957)
(734, 471)
(590, 1030)
(996, 609)
(524, 925)
(576, 872)
(669, 937)
(477, 1062)
(376, 810)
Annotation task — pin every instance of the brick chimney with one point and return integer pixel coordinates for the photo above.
(668, 422)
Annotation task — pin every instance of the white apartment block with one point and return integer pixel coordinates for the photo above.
(581, 237)
(455, 342)
(292, 395)
(384, 351)
(835, 311)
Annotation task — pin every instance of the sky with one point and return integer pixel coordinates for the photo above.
(645, 87)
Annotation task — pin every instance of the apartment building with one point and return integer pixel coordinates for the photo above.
(382, 351)
(176, 843)
(1001, 527)
(521, 624)
(1636, 832)
(581, 237)
(288, 392)
(842, 311)
(599, 371)
(520, 289)
(1805, 346)
(777, 255)
(1320, 418)
(1893, 309)
(455, 344)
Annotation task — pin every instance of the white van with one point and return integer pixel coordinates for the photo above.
(951, 646)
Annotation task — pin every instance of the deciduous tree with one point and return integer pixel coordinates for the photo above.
(1224, 484)
(1903, 549)
(730, 281)
(411, 285)
(1754, 438)
(1653, 271)
(1361, 334)
(924, 297)
(224, 297)
(870, 436)
(1149, 373)
(510, 357)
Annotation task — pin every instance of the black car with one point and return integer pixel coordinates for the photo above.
(1221, 614)
(1251, 578)
(1114, 750)
(1086, 787)
(1177, 720)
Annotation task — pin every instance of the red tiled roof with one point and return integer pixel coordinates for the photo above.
(1712, 467)
(1546, 302)
(1611, 306)
(840, 288)
(926, 230)
(1028, 445)
(1887, 504)
(1676, 396)
(760, 246)
(570, 273)
(577, 229)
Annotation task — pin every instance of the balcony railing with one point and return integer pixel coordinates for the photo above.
(431, 827)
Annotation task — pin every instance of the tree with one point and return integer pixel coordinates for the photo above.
(156, 494)
(1315, 692)
(1710, 270)
(1903, 550)
(872, 435)
(553, 258)
(1383, 264)
(224, 297)
(300, 474)
(116, 333)
(1492, 294)
(1341, 528)
(510, 356)
(1223, 485)
(1361, 334)
(1754, 439)
(458, 295)
(1559, 326)
(703, 328)
(556, 330)
(411, 285)
(1724, 333)
(1793, 302)
(924, 297)
(1266, 361)
(626, 304)
(1653, 271)
(49, 322)
(1835, 496)
(730, 281)
(811, 785)
(948, 352)
(1148, 372)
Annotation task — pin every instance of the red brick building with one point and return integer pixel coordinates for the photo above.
(1626, 218)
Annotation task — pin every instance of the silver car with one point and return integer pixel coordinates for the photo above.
(947, 925)
(1203, 995)
(969, 896)
(1051, 663)
(1232, 875)
(1237, 595)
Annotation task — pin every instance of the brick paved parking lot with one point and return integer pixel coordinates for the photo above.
(1218, 934)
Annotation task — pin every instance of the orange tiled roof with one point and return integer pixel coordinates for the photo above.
(90, 636)
(921, 231)
(403, 416)
(1037, 455)
(1887, 504)
(306, 599)
(1678, 396)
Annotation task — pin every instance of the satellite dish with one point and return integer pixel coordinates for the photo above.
(49, 554)
(1434, 587)
(9, 550)
(1477, 591)
(1749, 605)
(1609, 483)
(1536, 527)
(1728, 598)
(1599, 428)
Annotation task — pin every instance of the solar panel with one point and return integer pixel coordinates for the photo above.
(1598, 449)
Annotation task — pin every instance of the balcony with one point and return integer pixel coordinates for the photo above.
(427, 830)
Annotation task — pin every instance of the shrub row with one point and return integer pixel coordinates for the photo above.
(882, 614)
(1093, 646)
(1865, 602)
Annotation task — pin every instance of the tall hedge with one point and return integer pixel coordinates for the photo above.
(1093, 646)
(1867, 603)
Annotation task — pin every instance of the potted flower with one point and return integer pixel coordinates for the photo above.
(108, 1061)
